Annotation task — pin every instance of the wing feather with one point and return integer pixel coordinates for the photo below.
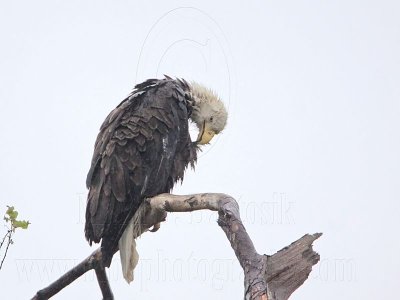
(139, 152)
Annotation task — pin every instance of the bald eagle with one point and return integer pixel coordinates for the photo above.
(142, 150)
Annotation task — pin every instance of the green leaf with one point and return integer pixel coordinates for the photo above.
(21, 224)
(13, 214)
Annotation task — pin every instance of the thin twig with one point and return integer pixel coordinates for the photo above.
(4, 238)
(9, 242)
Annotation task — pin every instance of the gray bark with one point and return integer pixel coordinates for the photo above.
(266, 277)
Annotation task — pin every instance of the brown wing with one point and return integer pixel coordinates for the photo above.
(142, 149)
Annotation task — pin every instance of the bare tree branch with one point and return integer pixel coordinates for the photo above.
(273, 277)
(287, 269)
(91, 262)
(8, 236)
(103, 283)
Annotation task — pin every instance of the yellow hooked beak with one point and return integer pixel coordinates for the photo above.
(205, 134)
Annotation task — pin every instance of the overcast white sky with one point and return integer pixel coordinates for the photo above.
(312, 143)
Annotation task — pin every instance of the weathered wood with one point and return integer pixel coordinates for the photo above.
(287, 269)
(253, 264)
(266, 277)
(273, 277)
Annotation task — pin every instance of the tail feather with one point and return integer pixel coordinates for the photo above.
(127, 251)
(127, 245)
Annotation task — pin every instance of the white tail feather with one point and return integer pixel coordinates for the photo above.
(127, 245)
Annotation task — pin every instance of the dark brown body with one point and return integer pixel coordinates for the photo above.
(142, 149)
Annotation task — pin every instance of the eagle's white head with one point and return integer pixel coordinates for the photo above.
(209, 112)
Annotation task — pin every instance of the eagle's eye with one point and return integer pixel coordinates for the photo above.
(211, 119)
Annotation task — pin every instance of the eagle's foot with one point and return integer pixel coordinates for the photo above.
(155, 227)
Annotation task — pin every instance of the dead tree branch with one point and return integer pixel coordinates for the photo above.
(266, 277)
(93, 261)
